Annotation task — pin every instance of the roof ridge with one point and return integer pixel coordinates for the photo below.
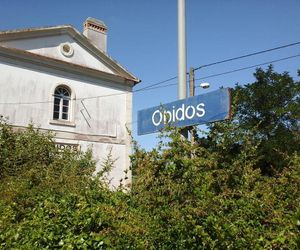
(36, 28)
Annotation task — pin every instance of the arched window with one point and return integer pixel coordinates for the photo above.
(61, 108)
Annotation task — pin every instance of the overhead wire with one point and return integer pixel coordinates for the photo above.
(248, 67)
(152, 86)
(231, 71)
(227, 60)
(155, 85)
(247, 55)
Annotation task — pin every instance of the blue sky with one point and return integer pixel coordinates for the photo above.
(142, 36)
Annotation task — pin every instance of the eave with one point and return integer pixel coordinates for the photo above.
(48, 62)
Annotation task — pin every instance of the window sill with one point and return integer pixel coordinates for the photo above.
(62, 123)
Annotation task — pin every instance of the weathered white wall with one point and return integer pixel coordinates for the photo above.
(104, 130)
(100, 153)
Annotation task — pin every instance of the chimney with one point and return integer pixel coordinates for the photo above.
(96, 31)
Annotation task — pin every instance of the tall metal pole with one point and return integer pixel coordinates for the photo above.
(182, 56)
(181, 50)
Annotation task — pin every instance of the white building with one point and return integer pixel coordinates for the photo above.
(64, 81)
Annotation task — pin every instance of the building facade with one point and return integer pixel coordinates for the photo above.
(63, 81)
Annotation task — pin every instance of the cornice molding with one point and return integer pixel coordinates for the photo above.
(77, 36)
(48, 62)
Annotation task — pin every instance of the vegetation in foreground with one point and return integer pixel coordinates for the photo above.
(236, 188)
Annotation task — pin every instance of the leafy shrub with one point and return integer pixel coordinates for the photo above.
(52, 199)
(223, 192)
(198, 201)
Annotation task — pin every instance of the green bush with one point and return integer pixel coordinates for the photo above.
(52, 199)
(184, 197)
(196, 200)
(229, 190)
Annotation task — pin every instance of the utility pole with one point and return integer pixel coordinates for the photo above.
(182, 55)
(192, 81)
(192, 93)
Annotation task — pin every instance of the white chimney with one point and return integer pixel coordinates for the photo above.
(96, 31)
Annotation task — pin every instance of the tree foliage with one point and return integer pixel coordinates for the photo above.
(269, 110)
(238, 188)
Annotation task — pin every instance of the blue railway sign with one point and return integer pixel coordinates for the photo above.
(201, 109)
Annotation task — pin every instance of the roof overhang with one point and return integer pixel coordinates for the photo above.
(76, 35)
(48, 62)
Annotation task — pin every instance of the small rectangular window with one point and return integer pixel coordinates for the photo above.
(56, 108)
(56, 101)
(65, 109)
(55, 115)
(65, 116)
(66, 102)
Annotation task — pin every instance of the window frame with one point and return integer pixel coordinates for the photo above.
(59, 119)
